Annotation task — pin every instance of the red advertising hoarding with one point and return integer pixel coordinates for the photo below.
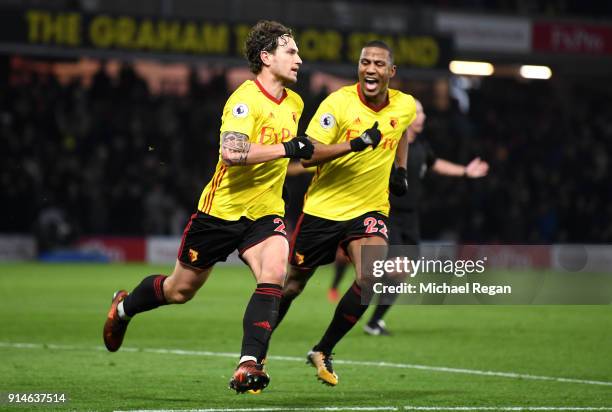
(572, 38)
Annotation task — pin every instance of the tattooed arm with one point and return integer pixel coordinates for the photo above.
(236, 150)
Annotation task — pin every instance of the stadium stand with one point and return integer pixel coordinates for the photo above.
(115, 156)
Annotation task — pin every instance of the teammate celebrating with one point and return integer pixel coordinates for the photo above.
(356, 132)
(241, 207)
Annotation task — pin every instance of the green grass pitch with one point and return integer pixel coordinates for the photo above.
(58, 311)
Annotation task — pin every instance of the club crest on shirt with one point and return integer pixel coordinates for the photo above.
(240, 110)
(393, 122)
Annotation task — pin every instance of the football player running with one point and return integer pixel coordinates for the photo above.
(241, 207)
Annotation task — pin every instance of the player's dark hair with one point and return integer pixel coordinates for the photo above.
(381, 45)
(263, 37)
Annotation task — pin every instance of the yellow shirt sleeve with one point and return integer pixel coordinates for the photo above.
(239, 115)
(323, 127)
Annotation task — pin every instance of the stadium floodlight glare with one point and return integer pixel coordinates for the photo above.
(535, 72)
(468, 68)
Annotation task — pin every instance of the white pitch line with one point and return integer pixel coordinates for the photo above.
(507, 408)
(181, 352)
(326, 408)
(387, 408)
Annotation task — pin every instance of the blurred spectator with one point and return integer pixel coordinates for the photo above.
(157, 211)
(120, 160)
(105, 153)
(53, 229)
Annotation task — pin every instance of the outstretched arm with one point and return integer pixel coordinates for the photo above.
(475, 169)
(326, 152)
(236, 150)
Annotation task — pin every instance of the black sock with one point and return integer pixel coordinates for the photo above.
(385, 301)
(283, 308)
(378, 314)
(148, 295)
(259, 319)
(340, 269)
(290, 294)
(348, 312)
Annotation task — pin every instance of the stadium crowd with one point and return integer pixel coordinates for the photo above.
(114, 158)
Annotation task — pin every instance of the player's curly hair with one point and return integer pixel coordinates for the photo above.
(263, 36)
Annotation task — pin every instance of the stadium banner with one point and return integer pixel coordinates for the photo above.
(17, 247)
(572, 38)
(486, 33)
(164, 250)
(487, 274)
(74, 33)
(113, 249)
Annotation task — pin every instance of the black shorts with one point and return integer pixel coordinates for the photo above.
(404, 227)
(404, 234)
(208, 239)
(315, 239)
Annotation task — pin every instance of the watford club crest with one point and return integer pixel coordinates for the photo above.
(193, 255)
(294, 115)
(299, 258)
(393, 122)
